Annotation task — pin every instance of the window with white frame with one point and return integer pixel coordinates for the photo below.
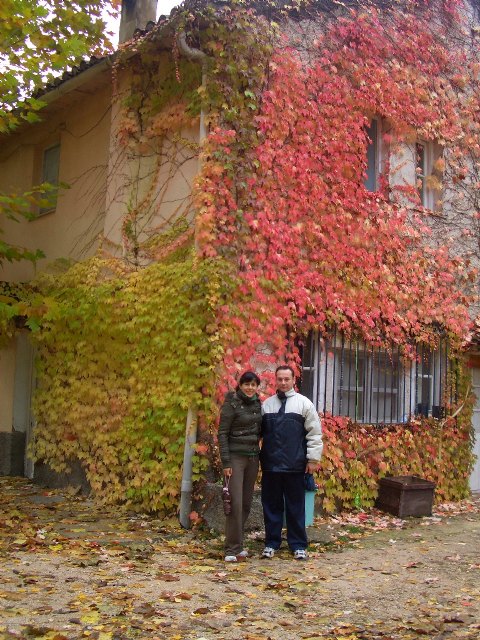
(429, 186)
(346, 377)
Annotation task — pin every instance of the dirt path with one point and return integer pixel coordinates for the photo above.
(72, 570)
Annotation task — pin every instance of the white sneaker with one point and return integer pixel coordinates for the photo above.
(243, 554)
(300, 554)
(230, 558)
(268, 552)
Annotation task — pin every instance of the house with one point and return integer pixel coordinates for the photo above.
(239, 197)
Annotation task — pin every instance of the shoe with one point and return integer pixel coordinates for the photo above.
(230, 558)
(268, 552)
(300, 554)
(243, 554)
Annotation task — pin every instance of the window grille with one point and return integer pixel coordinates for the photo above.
(373, 385)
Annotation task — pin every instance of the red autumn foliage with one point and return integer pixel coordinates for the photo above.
(313, 247)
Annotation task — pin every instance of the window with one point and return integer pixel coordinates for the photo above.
(427, 156)
(430, 376)
(50, 174)
(371, 180)
(377, 154)
(372, 385)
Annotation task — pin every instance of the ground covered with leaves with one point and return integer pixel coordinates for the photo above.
(70, 569)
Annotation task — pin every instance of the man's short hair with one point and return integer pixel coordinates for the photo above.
(286, 367)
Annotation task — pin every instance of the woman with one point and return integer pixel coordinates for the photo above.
(238, 438)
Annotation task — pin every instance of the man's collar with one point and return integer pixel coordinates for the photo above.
(290, 393)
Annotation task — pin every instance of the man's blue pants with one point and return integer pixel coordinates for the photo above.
(284, 492)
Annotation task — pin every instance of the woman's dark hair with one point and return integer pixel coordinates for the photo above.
(248, 376)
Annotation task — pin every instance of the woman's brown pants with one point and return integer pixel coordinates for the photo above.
(242, 482)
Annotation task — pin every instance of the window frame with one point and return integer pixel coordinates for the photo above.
(429, 196)
(377, 152)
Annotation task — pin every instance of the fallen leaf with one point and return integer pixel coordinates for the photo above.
(167, 577)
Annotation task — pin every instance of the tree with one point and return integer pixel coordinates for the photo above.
(38, 40)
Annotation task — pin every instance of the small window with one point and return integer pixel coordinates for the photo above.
(371, 179)
(421, 171)
(427, 157)
(50, 174)
(371, 385)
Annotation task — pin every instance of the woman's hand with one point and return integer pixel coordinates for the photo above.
(227, 472)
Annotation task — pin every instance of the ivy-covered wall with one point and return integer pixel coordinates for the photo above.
(121, 356)
(356, 456)
(285, 240)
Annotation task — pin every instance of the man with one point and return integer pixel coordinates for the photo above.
(292, 446)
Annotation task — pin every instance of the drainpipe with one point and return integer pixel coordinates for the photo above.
(191, 425)
(198, 56)
(186, 488)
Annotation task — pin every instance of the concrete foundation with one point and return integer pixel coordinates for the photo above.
(12, 453)
(46, 477)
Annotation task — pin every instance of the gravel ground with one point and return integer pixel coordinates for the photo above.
(70, 569)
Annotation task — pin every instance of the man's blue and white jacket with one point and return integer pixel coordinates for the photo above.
(292, 439)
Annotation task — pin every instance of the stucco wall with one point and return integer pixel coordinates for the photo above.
(80, 123)
(7, 377)
(107, 179)
(149, 179)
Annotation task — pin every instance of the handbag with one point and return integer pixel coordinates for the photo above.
(226, 497)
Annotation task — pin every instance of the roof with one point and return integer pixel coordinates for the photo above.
(271, 9)
(68, 75)
(84, 65)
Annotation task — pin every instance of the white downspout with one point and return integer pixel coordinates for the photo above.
(198, 56)
(191, 424)
(189, 450)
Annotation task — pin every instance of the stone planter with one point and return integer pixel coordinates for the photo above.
(405, 496)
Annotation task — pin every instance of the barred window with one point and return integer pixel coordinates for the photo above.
(372, 385)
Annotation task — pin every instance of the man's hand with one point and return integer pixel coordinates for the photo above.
(310, 468)
(227, 472)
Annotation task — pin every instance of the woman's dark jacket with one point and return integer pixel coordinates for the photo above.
(240, 424)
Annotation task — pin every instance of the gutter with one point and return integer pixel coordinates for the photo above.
(127, 50)
(195, 55)
(76, 81)
(187, 484)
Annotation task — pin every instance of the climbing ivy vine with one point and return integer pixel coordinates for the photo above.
(281, 238)
(282, 195)
(121, 356)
